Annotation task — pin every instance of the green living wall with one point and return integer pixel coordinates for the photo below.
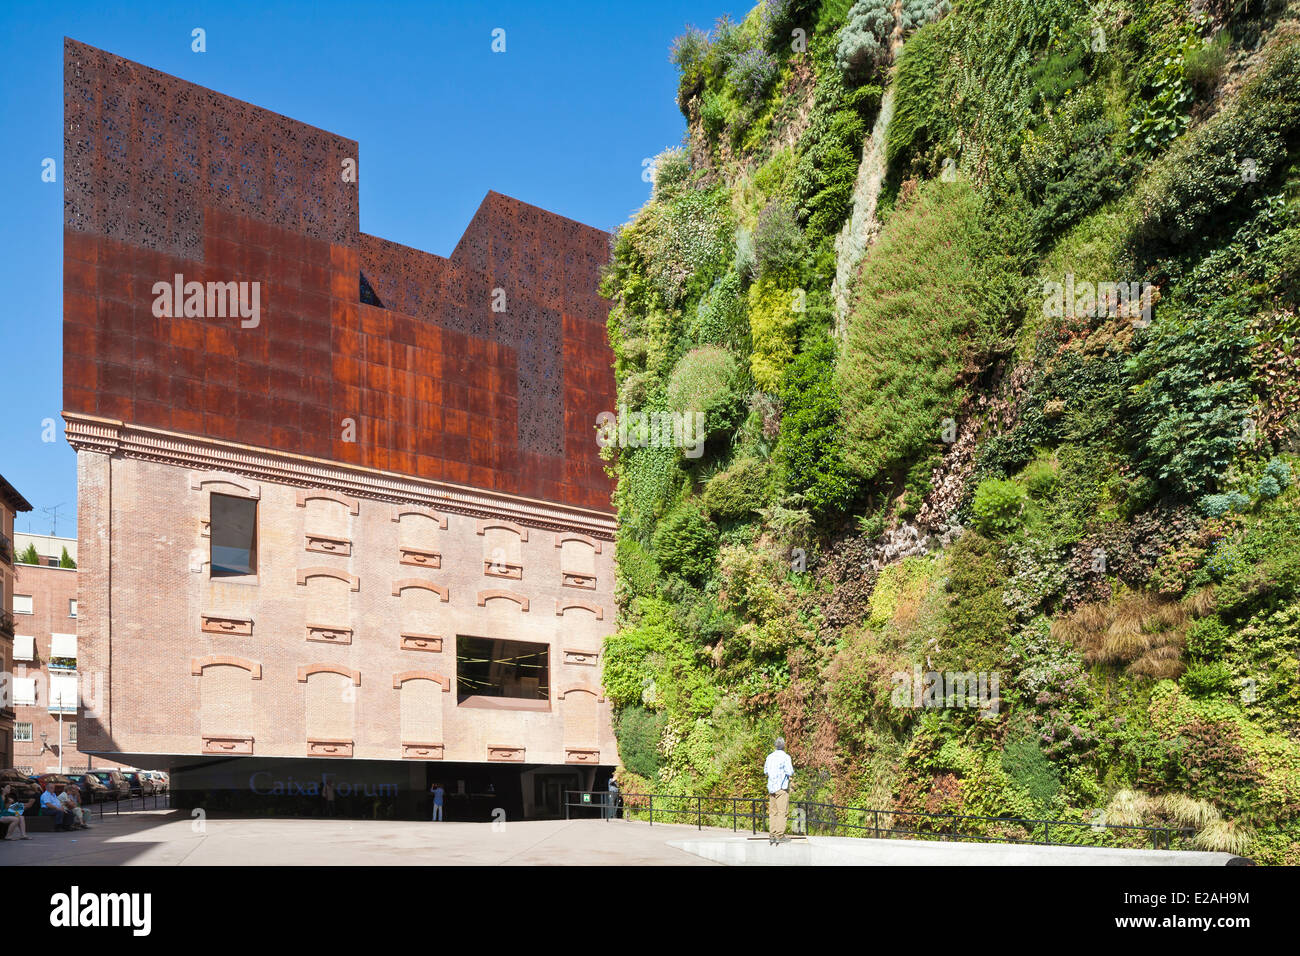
(989, 309)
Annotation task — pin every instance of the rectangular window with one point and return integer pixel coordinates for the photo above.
(72, 607)
(24, 691)
(234, 536)
(72, 732)
(23, 604)
(504, 671)
(23, 733)
(63, 693)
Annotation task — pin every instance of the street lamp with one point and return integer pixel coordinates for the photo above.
(60, 732)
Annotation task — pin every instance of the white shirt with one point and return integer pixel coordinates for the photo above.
(779, 770)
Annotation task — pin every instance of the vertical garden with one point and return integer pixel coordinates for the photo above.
(990, 310)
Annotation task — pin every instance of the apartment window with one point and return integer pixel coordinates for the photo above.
(72, 607)
(72, 731)
(234, 536)
(24, 691)
(22, 733)
(24, 647)
(62, 693)
(495, 668)
(23, 604)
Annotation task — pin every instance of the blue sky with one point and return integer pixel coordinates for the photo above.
(562, 120)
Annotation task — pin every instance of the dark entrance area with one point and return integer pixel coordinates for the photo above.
(375, 789)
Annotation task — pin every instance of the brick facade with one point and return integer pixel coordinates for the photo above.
(321, 654)
(51, 590)
(11, 502)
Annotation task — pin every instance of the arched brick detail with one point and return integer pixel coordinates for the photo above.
(401, 583)
(561, 537)
(563, 604)
(399, 512)
(500, 523)
(352, 580)
(308, 669)
(404, 676)
(198, 663)
(307, 494)
(485, 596)
(199, 480)
(581, 689)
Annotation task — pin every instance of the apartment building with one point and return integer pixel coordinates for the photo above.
(341, 510)
(11, 502)
(47, 689)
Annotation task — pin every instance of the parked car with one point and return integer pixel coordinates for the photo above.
(22, 788)
(114, 783)
(159, 780)
(59, 780)
(92, 788)
(139, 783)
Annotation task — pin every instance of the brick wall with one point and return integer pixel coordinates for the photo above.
(318, 647)
(51, 589)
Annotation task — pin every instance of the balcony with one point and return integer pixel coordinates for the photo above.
(6, 549)
(63, 663)
(7, 624)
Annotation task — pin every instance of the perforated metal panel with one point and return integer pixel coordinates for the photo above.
(164, 177)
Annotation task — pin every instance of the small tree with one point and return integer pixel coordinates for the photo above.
(29, 556)
(65, 560)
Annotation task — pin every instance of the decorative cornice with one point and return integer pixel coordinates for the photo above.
(111, 437)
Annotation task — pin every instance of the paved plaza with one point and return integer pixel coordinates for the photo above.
(168, 838)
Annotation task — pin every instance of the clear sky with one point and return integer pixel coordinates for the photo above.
(561, 120)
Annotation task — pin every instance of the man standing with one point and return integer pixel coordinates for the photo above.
(438, 794)
(611, 800)
(779, 770)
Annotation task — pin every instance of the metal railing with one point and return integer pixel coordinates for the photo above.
(831, 819)
(148, 801)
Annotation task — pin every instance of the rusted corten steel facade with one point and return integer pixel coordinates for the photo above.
(472, 383)
(164, 177)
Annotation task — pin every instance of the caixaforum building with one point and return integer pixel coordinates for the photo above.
(341, 508)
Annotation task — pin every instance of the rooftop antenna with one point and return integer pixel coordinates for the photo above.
(53, 512)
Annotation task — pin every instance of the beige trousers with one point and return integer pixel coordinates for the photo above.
(778, 808)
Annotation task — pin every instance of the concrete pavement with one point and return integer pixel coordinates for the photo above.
(861, 851)
(169, 838)
(173, 838)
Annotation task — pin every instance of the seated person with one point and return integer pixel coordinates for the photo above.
(51, 807)
(70, 800)
(12, 816)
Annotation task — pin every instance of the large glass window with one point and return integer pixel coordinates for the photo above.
(492, 667)
(234, 536)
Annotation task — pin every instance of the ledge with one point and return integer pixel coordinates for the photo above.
(109, 436)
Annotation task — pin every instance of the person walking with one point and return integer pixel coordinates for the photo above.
(779, 770)
(438, 795)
